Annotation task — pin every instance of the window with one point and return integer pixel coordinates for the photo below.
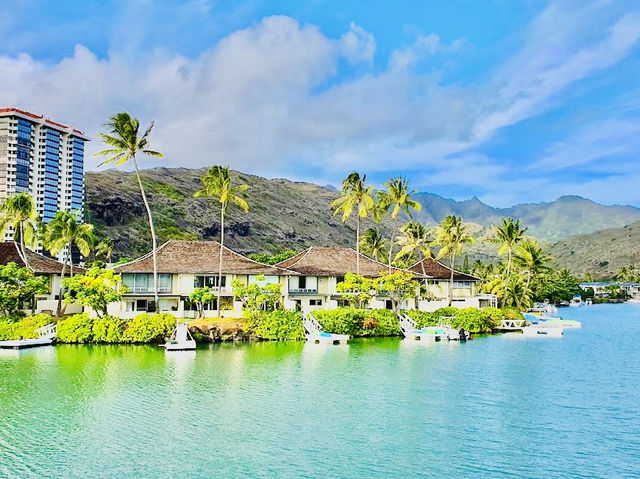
(302, 282)
(462, 284)
(315, 302)
(208, 281)
(143, 282)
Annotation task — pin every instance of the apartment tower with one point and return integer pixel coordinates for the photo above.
(43, 158)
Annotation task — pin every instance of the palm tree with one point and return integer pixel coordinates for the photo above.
(628, 273)
(451, 236)
(508, 235)
(530, 255)
(415, 237)
(20, 212)
(64, 232)
(217, 184)
(105, 249)
(125, 143)
(355, 196)
(373, 244)
(397, 198)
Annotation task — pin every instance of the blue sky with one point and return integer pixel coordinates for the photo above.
(507, 101)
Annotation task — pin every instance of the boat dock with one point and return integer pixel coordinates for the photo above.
(46, 336)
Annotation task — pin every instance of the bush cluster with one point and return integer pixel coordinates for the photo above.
(470, 319)
(24, 328)
(144, 328)
(279, 325)
(359, 322)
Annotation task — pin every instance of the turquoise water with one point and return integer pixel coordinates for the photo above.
(498, 406)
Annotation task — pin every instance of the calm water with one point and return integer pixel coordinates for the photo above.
(494, 407)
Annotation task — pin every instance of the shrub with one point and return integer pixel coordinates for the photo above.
(76, 329)
(472, 320)
(359, 322)
(493, 315)
(107, 330)
(422, 318)
(512, 313)
(146, 328)
(277, 325)
(24, 328)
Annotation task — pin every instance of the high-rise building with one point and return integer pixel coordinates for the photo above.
(43, 158)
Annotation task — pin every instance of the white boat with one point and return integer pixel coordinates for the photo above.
(315, 334)
(181, 339)
(452, 333)
(46, 336)
(545, 307)
(588, 302)
(430, 333)
(542, 331)
(545, 320)
(576, 301)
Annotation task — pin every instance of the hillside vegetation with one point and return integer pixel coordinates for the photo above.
(601, 254)
(292, 215)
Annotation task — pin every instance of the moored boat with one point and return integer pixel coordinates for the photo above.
(181, 339)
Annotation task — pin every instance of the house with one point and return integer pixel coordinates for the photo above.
(319, 269)
(184, 266)
(40, 265)
(465, 287)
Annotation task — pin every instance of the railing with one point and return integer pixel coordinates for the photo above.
(310, 324)
(303, 290)
(48, 330)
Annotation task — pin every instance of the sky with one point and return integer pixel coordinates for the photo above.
(508, 101)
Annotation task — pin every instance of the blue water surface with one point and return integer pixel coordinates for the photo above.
(498, 406)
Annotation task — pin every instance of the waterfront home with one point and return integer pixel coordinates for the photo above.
(184, 266)
(603, 289)
(466, 287)
(40, 265)
(319, 269)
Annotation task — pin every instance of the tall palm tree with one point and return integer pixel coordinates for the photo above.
(217, 184)
(397, 198)
(373, 244)
(355, 196)
(531, 256)
(125, 143)
(415, 237)
(508, 234)
(105, 249)
(63, 233)
(20, 212)
(452, 236)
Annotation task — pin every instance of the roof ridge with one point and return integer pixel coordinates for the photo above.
(444, 266)
(306, 252)
(144, 256)
(406, 270)
(247, 258)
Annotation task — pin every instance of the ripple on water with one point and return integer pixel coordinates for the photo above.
(493, 407)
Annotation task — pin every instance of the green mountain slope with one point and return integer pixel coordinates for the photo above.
(287, 214)
(600, 253)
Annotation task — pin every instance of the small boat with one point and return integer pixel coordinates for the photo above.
(46, 336)
(181, 339)
(430, 333)
(559, 323)
(545, 307)
(315, 334)
(576, 301)
(542, 331)
(588, 302)
(452, 333)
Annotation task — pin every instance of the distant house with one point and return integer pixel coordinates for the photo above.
(182, 267)
(465, 287)
(319, 269)
(40, 265)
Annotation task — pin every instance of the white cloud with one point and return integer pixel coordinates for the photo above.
(267, 99)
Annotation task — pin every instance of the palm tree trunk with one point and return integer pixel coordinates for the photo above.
(453, 262)
(22, 246)
(153, 234)
(424, 272)
(358, 246)
(61, 290)
(220, 260)
(393, 238)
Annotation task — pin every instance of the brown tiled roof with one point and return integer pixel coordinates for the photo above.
(176, 256)
(334, 261)
(436, 270)
(39, 264)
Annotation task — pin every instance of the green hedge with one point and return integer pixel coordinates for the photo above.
(279, 325)
(359, 322)
(24, 328)
(144, 328)
(470, 319)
